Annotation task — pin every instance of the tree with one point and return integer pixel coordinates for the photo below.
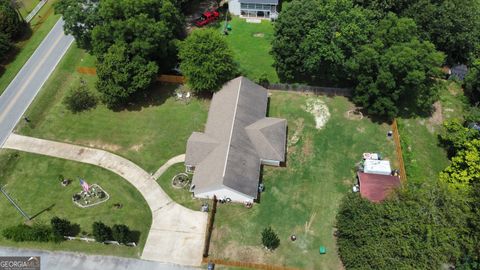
(5, 46)
(419, 228)
(206, 60)
(147, 27)
(80, 98)
(396, 70)
(452, 25)
(101, 232)
(455, 136)
(270, 239)
(315, 45)
(472, 82)
(11, 22)
(63, 227)
(464, 169)
(121, 233)
(120, 74)
(80, 17)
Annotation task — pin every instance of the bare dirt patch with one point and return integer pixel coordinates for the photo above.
(136, 147)
(319, 110)
(307, 148)
(259, 35)
(354, 114)
(361, 129)
(102, 145)
(436, 119)
(298, 124)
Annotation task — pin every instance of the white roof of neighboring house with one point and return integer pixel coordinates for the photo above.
(377, 167)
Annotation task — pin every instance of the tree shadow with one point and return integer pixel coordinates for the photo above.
(134, 236)
(155, 95)
(74, 229)
(42, 211)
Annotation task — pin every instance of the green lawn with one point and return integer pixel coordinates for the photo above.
(40, 28)
(150, 131)
(32, 180)
(181, 196)
(251, 44)
(26, 6)
(423, 157)
(303, 197)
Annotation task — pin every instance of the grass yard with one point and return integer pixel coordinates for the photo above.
(302, 198)
(33, 181)
(181, 196)
(423, 157)
(153, 129)
(25, 48)
(26, 6)
(251, 45)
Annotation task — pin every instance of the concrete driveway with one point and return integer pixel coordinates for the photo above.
(177, 233)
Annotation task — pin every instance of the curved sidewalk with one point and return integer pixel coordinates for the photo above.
(177, 234)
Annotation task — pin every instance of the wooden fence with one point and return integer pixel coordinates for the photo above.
(398, 148)
(211, 220)
(247, 264)
(318, 90)
(161, 78)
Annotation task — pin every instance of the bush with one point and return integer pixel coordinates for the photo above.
(121, 233)
(63, 227)
(270, 239)
(22, 232)
(80, 98)
(101, 232)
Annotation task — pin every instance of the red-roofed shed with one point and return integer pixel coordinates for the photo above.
(376, 187)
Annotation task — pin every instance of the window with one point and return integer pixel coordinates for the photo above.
(243, 5)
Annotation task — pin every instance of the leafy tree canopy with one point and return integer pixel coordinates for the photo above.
(465, 167)
(11, 22)
(206, 60)
(396, 70)
(5, 46)
(456, 135)
(419, 228)
(472, 82)
(80, 17)
(120, 74)
(314, 39)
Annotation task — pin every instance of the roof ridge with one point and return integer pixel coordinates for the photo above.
(233, 124)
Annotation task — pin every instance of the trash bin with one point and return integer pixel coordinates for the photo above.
(211, 266)
(323, 250)
(229, 27)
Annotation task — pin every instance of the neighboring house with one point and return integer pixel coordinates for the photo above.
(263, 9)
(458, 72)
(227, 158)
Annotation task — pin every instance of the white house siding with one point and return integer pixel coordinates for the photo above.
(234, 7)
(224, 193)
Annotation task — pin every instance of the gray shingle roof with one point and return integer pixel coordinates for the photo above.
(237, 136)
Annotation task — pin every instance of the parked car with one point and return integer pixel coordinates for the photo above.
(207, 17)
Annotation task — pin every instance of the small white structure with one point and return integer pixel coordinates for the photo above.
(377, 167)
(263, 9)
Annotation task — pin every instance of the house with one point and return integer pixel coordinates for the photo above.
(263, 9)
(376, 187)
(227, 158)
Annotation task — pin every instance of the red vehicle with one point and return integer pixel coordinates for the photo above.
(207, 17)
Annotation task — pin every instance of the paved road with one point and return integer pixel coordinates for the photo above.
(25, 86)
(75, 261)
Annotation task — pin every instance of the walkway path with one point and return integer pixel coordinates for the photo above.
(168, 164)
(58, 260)
(177, 233)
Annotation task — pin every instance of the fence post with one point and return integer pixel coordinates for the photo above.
(211, 220)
